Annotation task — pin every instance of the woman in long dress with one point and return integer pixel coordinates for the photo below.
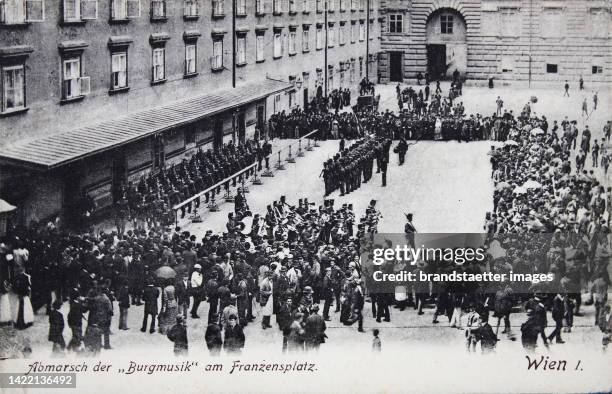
(169, 309)
(6, 316)
(23, 314)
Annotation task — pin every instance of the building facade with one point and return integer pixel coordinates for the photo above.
(509, 40)
(83, 80)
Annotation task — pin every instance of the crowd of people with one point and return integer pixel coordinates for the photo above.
(293, 258)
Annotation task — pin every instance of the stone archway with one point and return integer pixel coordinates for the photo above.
(446, 42)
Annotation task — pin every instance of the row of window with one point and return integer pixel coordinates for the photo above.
(25, 11)
(335, 74)
(75, 84)
(395, 24)
(506, 22)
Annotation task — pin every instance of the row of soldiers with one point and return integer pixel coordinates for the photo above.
(150, 200)
(347, 168)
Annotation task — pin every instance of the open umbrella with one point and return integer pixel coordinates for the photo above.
(537, 131)
(531, 184)
(165, 272)
(520, 190)
(502, 185)
(6, 207)
(510, 143)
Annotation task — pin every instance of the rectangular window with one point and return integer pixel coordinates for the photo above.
(260, 47)
(342, 34)
(331, 6)
(551, 68)
(72, 10)
(278, 44)
(599, 22)
(306, 6)
(292, 6)
(21, 11)
(277, 6)
(305, 40)
(352, 71)
(119, 76)
(362, 31)
(353, 32)
(191, 59)
(292, 42)
(241, 50)
(216, 61)
(396, 23)
(125, 9)
(191, 8)
(260, 7)
(343, 5)
(552, 23)
(510, 22)
(446, 24)
(320, 6)
(597, 70)
(241, 8)
(362, 4)
(218, 7)
(320, 37)
(331, 35)
(73, 84)
(13, 88)
(159, 63)
(158, 9)
(354, 5)
(277, 100)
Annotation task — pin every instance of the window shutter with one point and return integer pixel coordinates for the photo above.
(89, 9)
(85, 85)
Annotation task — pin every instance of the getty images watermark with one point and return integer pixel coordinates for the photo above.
(466, 262)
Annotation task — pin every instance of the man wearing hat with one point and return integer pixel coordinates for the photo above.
(409, 230)
(150, 296)
(178, 335)
(314, 329)
(213, 338)
(327, 292)
(234, 339)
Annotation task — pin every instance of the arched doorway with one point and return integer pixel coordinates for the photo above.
(446, 44)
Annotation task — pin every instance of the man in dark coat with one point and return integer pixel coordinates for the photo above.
(151, 293)
(327, 292)
(124, 304)
(182, 294)
(314, 329)
(213, 339)
(558, 313)
(75, 321)
(357, 301)
(234, 336)
(486, 336)
(56, 328)
(178, 335)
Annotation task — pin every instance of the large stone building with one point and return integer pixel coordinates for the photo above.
(95, 92)
(509, 40)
